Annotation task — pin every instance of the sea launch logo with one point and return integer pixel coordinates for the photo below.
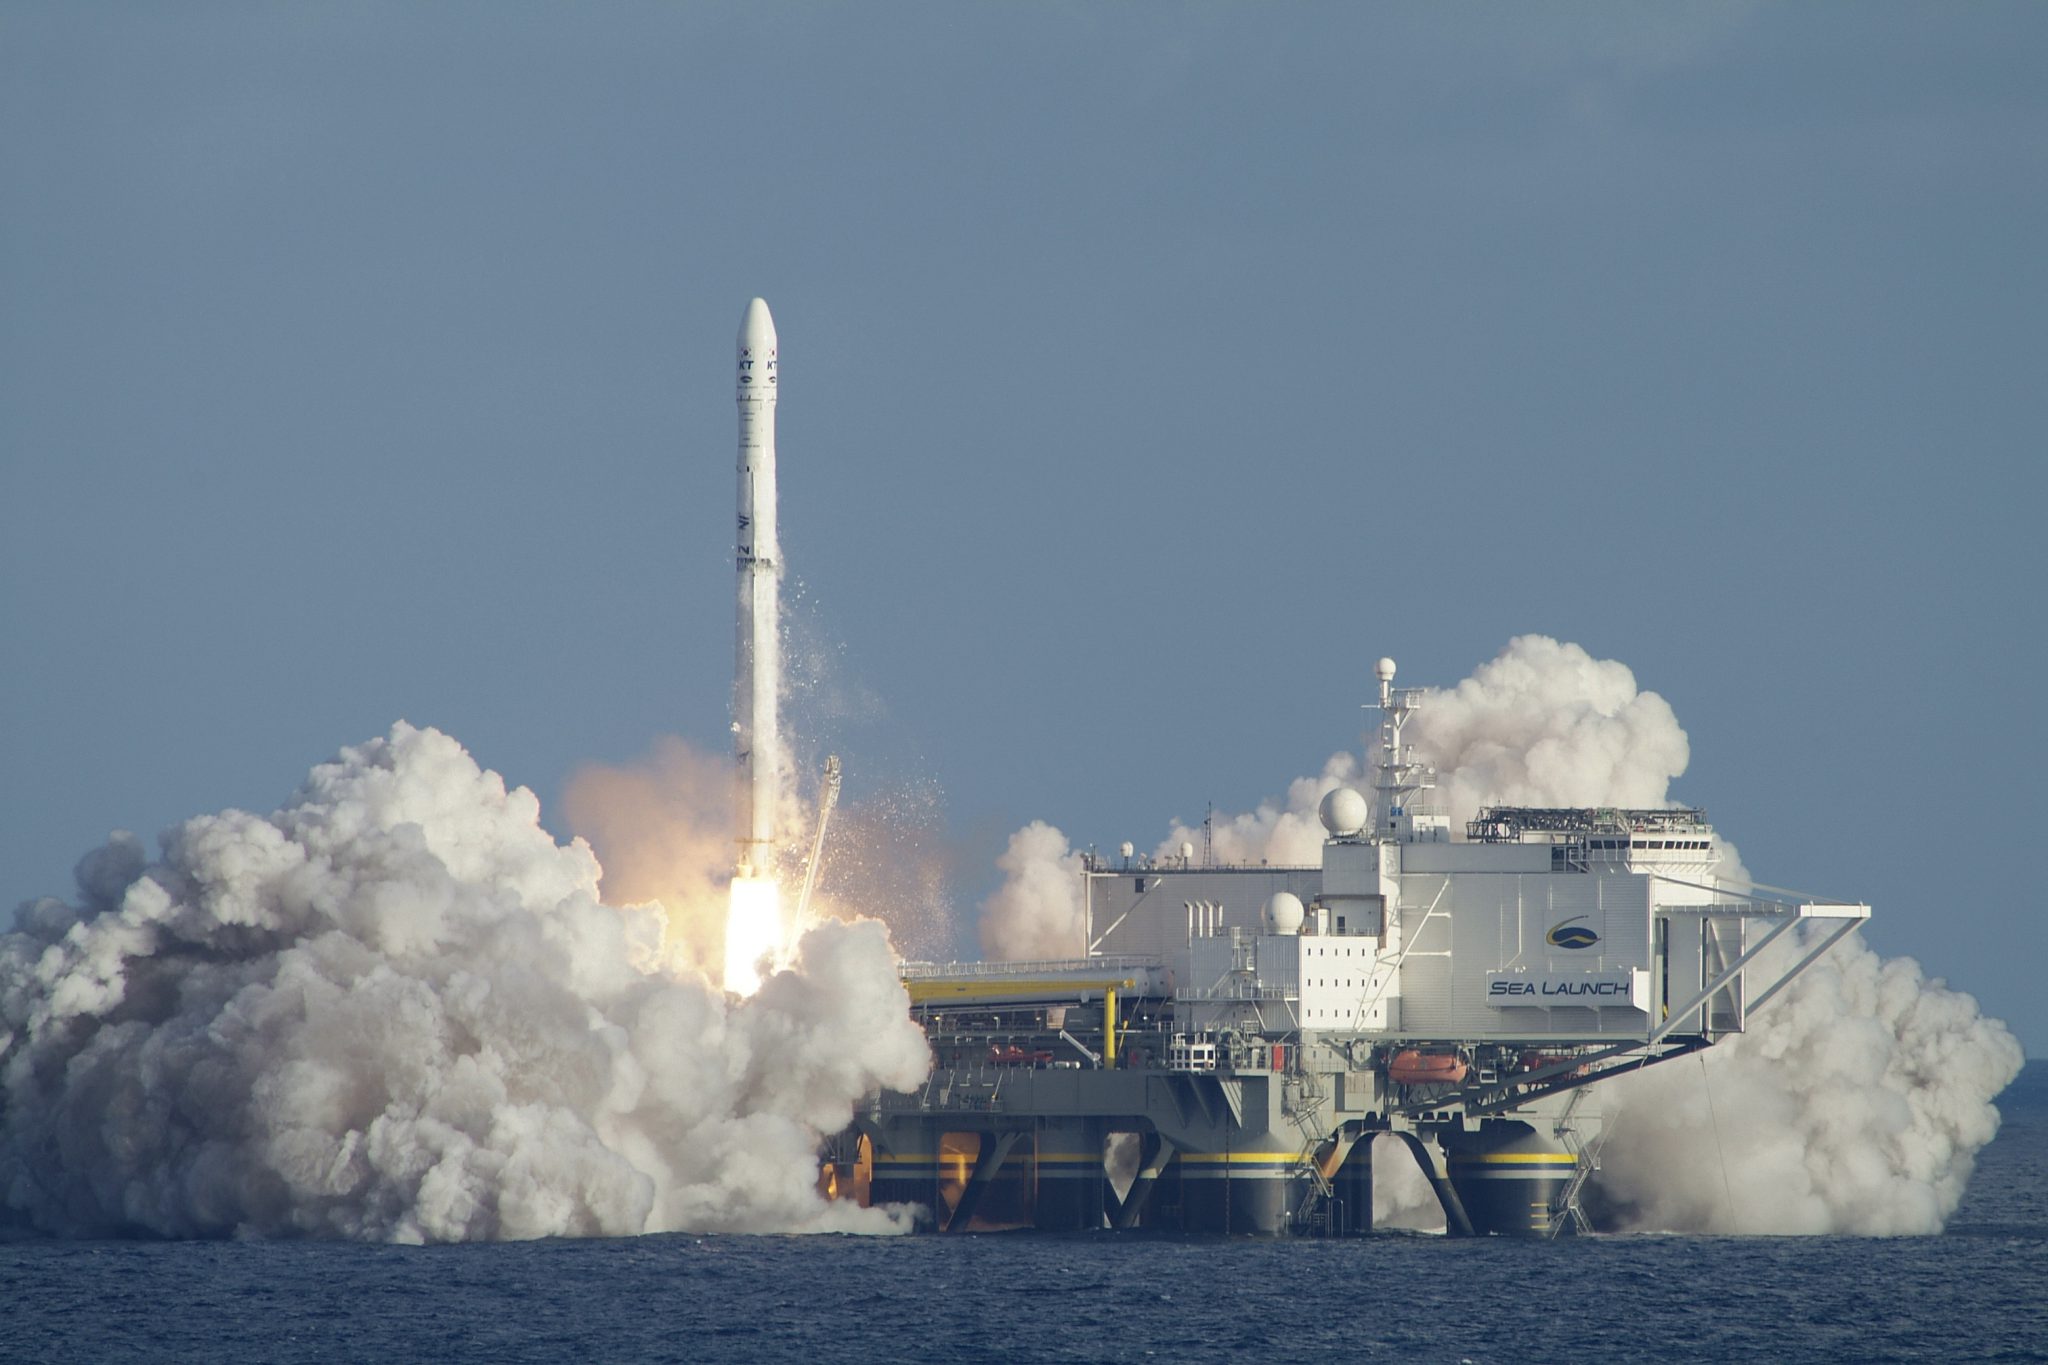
(1570, 934)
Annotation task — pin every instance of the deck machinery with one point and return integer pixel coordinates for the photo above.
(1228, 1042)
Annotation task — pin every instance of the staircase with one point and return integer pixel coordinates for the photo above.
(1564, 1210)
(1312, 1215)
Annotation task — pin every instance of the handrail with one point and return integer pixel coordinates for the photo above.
(919, 971)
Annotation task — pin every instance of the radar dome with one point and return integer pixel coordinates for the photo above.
(1386, 670)
(1283, 914)
(1344, 812)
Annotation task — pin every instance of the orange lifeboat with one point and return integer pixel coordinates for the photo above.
(1426, 1068)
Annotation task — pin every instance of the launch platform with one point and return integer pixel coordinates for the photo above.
(1227, 1043)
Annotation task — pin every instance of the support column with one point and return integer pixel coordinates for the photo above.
(1071, 1179)
(1351, 1190)
(1456, 1221)
(1154, 1154)
(1509, 1176)
(1240, 1191)
(840, 1175)
(906, 1168)
(995, 1149)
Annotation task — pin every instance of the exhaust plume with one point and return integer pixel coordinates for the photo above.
(1037, 912)
(1855, 1104)
(661, 828)
(396, 1009)
(1286, 835)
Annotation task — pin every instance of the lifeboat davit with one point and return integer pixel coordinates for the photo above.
(1426, 1068)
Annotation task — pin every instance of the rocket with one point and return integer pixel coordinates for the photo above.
(758, 660)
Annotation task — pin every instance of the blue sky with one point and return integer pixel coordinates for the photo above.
(1149, 371)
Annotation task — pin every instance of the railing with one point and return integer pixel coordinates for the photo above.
(1058, 966)
(1106, 865)
(1566, 1209)
(1237, 991)
(1312, 1214)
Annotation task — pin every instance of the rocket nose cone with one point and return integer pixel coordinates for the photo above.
(757, 328)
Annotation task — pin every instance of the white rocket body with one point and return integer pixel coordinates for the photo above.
(757, 737)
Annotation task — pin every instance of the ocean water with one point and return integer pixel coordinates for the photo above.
(1978, 1292)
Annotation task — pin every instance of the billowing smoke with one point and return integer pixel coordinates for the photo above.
(1547, 724)
(396, 1009)
(1401, 1196)
(1856, 1102)
(1037, 912)
(1289, 835)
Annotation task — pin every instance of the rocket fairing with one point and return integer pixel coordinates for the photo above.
(758, 663)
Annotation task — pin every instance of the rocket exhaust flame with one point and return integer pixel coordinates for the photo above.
(753, 933)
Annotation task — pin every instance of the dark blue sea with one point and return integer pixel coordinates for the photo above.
(1978, 1292)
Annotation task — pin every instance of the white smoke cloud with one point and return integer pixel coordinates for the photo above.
(1547, 724)
(396, 1009)
(1856, 1102)
(1401, 1196)
(1288, 834)
(1037, 912)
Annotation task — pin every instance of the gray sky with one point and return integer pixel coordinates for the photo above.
(1150, 371)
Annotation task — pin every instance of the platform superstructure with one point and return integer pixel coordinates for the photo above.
(1225, 1044)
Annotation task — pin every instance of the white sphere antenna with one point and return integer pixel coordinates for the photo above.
(1385, 672)
(1283, 913)
(1344, 812)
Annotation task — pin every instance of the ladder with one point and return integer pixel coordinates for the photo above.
(1565, 1210)
(1312, 1214)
